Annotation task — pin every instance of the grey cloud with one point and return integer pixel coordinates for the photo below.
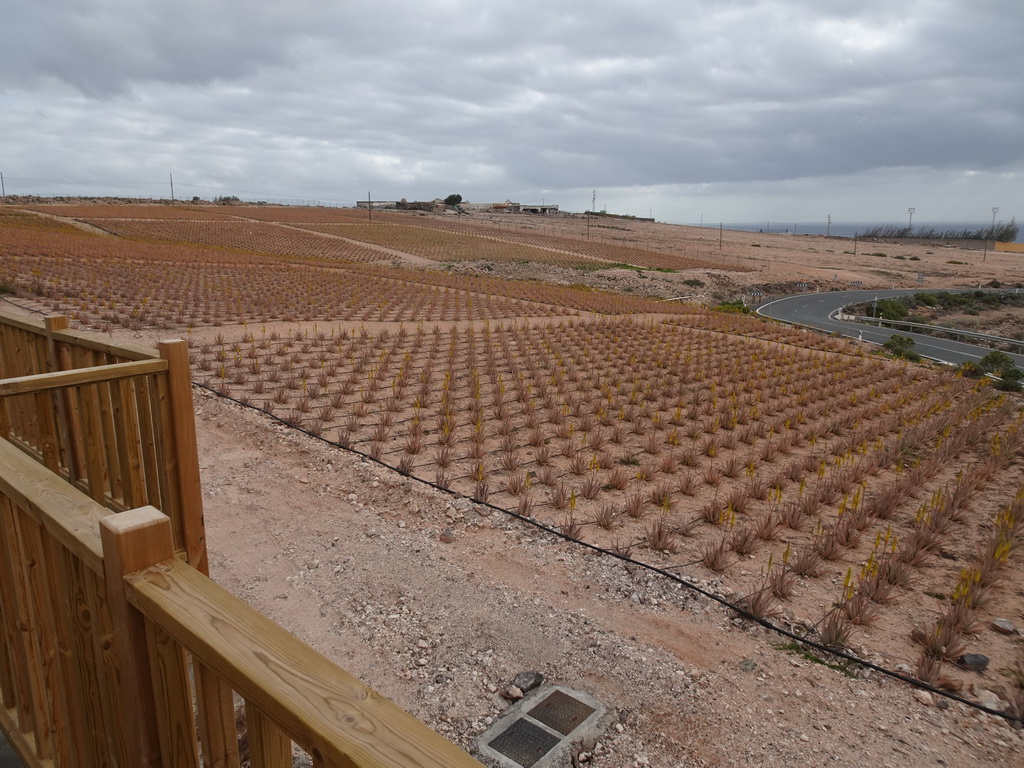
(308, 95)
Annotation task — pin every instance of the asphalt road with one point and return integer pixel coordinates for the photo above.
(816, 310)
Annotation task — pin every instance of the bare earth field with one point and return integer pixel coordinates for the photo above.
(528, 371)
(349, 557)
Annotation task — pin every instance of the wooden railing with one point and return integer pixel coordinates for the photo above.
(114, 420)
(115, 651)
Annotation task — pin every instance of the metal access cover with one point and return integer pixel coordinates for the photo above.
(525, 743)
(537, 730)
(561, 712)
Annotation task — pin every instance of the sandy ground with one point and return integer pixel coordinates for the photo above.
(438, 604)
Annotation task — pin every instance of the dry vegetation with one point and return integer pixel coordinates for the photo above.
(863, 501)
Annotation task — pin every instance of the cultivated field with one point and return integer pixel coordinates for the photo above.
(864, 502)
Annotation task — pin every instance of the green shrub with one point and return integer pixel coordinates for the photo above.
(901, 346)
(997, 363)
(892, 309)
(736, 306)
(1011, 381)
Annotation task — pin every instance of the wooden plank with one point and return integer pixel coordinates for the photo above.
(101, 639)
(269, 746)
(91, 341)
(58, 400)
(96, 477)
(330, 714)
(21, 743)
(46, 433)
(217, 729)
(173, 695)
(22, 322)
(109, 441)
(190, 491)
(68, 514)
(133, 540)
(147, 440)
(170, 498)
(6, 668)
(16, 692)
(126, 445)
(71, 700)
(39, 581)
(36, 709)
(42, 382)
(86, 670)
(85, 339)
(73, 425)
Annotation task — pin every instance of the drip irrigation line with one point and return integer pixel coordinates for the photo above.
(742, 612)
(19, 306)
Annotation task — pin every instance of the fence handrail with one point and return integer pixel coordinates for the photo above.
(177, 614)
(337, 719)
(41, 382)
(68, 515)
(86, 339)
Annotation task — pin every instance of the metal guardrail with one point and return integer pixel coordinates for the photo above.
(957, 332)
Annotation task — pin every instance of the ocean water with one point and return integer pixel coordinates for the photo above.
(850, 229)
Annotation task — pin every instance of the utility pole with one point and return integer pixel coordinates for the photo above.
(171, 175)
(828, 229)
(369, 207)
(593, 203)
(3, 190)
(910, 220)
(719, 235)
(984, 254)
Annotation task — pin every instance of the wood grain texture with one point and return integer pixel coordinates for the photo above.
(43, 382)
(70, 516)
(122, 350)
(133, 540)
(269, 746)
(35, 706)
(190, 491)
(217, 729)
(333, 716)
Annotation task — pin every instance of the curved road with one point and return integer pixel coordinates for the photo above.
(816, 310)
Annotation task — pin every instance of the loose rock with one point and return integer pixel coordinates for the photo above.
(975, 662)
(1004, 626)
(527, 681)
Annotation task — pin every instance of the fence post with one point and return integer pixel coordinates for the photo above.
(186, 457)
(214, 699)
(134, 540)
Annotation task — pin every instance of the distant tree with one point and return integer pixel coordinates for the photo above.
(892, 309)
(902, 346)
(453, 200)
(997, 363)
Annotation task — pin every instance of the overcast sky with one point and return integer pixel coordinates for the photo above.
(723, 109)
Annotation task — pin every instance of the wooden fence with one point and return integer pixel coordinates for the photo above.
(115, 651)
(114, 420)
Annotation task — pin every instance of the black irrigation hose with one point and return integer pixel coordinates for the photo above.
(802, 639)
